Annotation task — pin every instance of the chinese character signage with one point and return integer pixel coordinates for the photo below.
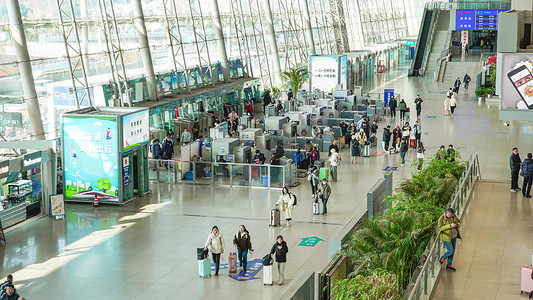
(136, 129)
(126, 170)
(464, 38)
(388, 93)
(90, 147)
(324, 72)
(477, 19)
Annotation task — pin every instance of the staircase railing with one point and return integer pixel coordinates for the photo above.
(443, 55)
(413, 62)
(427, 279)
(429, 43)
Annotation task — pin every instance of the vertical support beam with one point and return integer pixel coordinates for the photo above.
(114, 52)
(307, 25)
(26, 75)
(217, 22)
(276, 75)
(71, 39)
(242, 40)
(84, 35)
(200, 40)
(339, 26)
(259, 41)
(175, 43)
(140, 27)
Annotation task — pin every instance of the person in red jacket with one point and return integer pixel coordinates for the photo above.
(249, 109)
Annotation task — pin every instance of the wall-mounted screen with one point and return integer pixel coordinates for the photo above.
(517, 82)
(477, 19)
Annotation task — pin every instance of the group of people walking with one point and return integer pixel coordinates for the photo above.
(243, 244)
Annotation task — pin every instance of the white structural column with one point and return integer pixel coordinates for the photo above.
(26, 75)
(307, 25)
(276, 76)
(140, 27)
(220, 40)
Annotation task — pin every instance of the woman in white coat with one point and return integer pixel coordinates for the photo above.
(453, 103)
(334, 160)
(447, 106)
(286, 202)
(215, 243)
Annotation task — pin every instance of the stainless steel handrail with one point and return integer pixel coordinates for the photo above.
(458, 201)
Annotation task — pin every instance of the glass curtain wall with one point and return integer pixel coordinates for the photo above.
(183, 42)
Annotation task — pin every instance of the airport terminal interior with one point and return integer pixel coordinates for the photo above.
(259, 149)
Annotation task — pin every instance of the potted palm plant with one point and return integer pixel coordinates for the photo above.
(294, 78)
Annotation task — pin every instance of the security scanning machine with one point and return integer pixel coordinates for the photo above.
(303, 121)
(311, 109)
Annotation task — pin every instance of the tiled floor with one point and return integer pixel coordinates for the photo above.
(147, 250)
(496, 243)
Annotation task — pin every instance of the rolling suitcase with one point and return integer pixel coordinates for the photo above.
(316, 208)
(412, 143)
(324, 173)
(526, 282)
(366, 150)
(204, 267)
(232, 262)
(274, 217)
(267, 275)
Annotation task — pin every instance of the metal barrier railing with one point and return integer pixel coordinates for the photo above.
(430, 271)
(222, 174)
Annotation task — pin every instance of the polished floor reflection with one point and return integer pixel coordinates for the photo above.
(146, 250)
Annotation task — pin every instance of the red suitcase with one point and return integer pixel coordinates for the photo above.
(412, 143)
(232, 260)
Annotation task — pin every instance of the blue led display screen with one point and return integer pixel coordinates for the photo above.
(477, 19)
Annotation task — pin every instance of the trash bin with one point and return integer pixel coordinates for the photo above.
(265, 181)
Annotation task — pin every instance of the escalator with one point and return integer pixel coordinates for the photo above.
(422, 43)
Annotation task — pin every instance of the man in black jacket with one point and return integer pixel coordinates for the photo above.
(418, 103)
(280, 250)
(515, 162)
(266, 100)
(393, 104)
(386, 138)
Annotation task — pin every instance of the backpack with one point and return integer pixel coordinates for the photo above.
(295, 200)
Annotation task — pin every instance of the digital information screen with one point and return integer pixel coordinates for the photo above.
(477, 19)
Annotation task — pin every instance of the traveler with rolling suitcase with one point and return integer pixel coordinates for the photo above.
(324, 192)
(243, 243)
(286, 202)
(354, 149)
(279, 251)
(215, 242)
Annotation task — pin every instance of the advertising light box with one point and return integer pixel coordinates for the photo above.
(327, 71)
(517, 82)
(136, 129)
(90, 157)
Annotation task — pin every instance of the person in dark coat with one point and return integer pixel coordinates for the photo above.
(527, 172)
(393, 104)
(386, 138)
(515, 162)
(279, 252)
(403, 150)
(418, 103)
(243, 243)
(457, 85)
(354, 150)
(259, 158)
(344, 128)
(396, 135)
(168, 148)
(266, 100)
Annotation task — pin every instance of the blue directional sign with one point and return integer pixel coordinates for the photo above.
(389, 168)
(310, 241)
(254, 266)
(388, 95)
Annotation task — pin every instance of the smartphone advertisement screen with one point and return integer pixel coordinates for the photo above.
(517, 82)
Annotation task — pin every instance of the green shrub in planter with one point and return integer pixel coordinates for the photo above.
(379, 285)
(489, 91)
(481, 92)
